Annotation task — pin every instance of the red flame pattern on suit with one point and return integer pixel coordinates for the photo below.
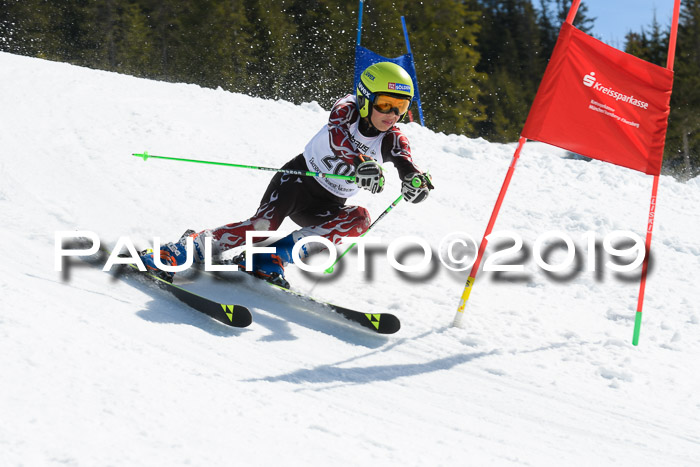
(302, 200)
(343, 114)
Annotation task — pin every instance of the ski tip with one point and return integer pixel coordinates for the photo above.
(390, 324)
(383, 323)
(238, 316)
(245, 321)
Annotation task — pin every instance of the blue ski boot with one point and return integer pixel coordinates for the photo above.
(171, 254)
(270, 266)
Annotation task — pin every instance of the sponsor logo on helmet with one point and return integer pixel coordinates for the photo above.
(399, 87)
(363, 89)
(369, 75)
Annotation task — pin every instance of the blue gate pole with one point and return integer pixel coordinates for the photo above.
(359, 24)
(357, 46)
(408, 49)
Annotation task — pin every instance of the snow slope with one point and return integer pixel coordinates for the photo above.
(100, 372)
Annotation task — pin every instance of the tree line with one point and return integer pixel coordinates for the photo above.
(479, 62)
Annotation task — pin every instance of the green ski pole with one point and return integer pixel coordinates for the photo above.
(386, 211)
(306, 173)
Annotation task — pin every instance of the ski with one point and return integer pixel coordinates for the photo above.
(237, 316)
(382, 323)
(233, 315)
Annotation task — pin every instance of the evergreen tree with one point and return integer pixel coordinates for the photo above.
(682, 155)
(582, 20)
(549, 28)
(133, 45)
(212, 44)
(272, 45)
(512, 57)
(443, 37)
(652, 47)
(637, 44)
(322, 56)
(99, 34)
(30, 27)
(169, 36)
(657, 47)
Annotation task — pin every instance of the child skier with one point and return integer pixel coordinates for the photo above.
(360, 132)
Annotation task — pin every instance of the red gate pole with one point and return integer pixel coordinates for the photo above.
(482, 247)
(572, 11)
(645, 266)
(652, 204)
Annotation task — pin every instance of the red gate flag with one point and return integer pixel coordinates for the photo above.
(602, 103)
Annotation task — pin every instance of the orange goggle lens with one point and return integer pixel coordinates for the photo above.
(386, 104)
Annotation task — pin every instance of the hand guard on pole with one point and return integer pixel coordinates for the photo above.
(369, 174)
(416, 187)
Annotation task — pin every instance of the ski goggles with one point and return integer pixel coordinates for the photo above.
(387, 104)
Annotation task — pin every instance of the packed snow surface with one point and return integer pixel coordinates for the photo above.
(98, 371)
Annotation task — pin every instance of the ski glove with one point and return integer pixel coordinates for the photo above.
(416, 186)
(369, 174)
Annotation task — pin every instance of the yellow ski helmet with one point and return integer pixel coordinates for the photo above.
(384, 78)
